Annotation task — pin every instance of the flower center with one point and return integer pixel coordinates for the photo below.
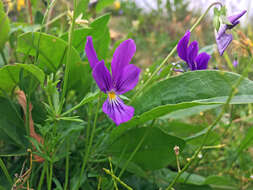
(112, 95)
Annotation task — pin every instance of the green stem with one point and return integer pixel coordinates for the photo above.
(67, 66)
(231, 95)
(171, 53)
(4, 58)
(42, 176)
(2, 165)
(117, 179)
(136, 149)
(67, 166)
(86, 155)
(49, 185)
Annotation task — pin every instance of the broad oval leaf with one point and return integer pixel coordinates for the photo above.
(155, 152)
(52, 50)
(10, 76)
(201, 89)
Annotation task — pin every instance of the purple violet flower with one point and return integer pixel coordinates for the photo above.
(190, 54)
(235, 63)
(222, 38)
(124, 77)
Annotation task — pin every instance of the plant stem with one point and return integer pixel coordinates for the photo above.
(67, 166)
(171, 53)
(49, 185)
(42, 176)
(4, 58)
(114, 181)
(231, 95)
(86, 155)
(178, 163)
(117, 179)
(67, 66)
(2, 165)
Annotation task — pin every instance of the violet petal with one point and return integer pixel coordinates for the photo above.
(128, 79)
(102, 77)
(182, 46)
(223, 42)
(192, 53)
(234, 18)
(235, 63)
(202, 61)
(90, 52)
(118, 111)
(122, 57)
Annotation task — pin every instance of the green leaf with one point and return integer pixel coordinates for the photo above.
(221, 182)
(132, 167)
(246, 142)
(198, 88)
(5, 27)
(165, 176)
(155, 152)
(10, 76)
(82, 6)
(163, 110)
(52, 50)
(98, 30)
(192, 134)
(12, 129)
(103, 4)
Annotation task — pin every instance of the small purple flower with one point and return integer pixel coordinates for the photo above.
(222, 38)
(235, 63)
(124, 77)
(190, 54)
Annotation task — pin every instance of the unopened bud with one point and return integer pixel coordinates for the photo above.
(176, 149)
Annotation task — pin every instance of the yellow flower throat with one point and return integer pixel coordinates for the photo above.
(112, 95)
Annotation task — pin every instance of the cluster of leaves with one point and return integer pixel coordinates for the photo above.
(141, 151)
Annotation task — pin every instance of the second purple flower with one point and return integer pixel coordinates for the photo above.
(124, 77)
(190, 54)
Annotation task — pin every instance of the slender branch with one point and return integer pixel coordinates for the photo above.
(42, 176)
(231, 95)
(2, 165)
(67, 166)
(171, 53)
(117, 179)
